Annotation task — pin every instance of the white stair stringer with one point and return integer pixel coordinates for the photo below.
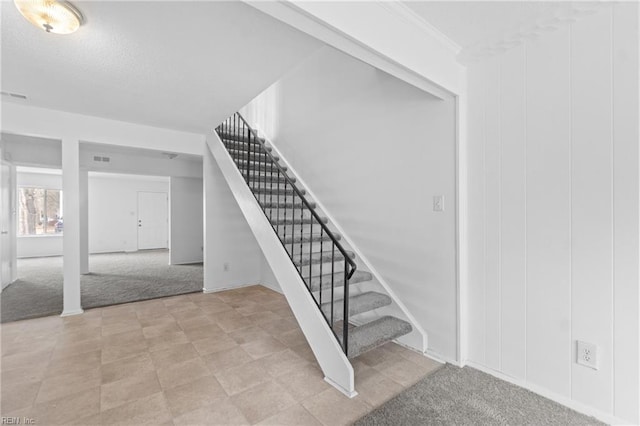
(328, 352)
(417, 339)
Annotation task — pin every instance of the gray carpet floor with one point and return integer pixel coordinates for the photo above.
(465, 396)
(115, 278)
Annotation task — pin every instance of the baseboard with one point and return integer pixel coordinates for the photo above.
(341, 389)
(70, 313)
(441, 358)
(277, 289)
(219, 289)
(190, 262)
(567, 402)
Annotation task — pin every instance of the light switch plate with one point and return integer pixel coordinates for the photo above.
(438, 203)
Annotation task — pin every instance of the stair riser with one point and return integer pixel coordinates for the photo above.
(242, 165)
(309, 248)
(262, 179)
(267, 188)
(295, 229)
(273, 195)
(315, 269)
(258, 154)
(358, 304)
(273, 214)
(273, 200)
(240, 139)
(298, 223)
(292, 210)
(296, 239)
(254, 156)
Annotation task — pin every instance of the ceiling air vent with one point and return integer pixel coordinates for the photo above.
(99, 158)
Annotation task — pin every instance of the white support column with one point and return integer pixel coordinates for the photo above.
(84, 221)
(71, 214)
(207, 176)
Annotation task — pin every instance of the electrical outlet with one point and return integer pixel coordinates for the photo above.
(225, 267)
(587, 354)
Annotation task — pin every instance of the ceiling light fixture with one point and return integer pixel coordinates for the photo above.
(52, 16)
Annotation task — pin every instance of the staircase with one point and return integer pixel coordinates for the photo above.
(327, 269)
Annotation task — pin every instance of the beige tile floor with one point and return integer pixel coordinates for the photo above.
(235, 357)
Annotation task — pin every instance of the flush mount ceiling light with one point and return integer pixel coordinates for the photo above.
(52, 16)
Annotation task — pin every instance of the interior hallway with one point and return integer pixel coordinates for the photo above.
(115, 278)
(234, 357)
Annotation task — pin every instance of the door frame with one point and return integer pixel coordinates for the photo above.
(12, 225)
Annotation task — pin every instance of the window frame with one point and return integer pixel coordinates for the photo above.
(19, 206)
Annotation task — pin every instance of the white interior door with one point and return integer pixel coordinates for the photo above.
(6, 263)
(153, 220)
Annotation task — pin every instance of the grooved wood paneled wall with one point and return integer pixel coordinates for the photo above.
(553, 210)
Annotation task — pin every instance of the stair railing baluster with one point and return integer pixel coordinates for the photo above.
(293, 220)
(233, 137)
(249, 162)
(321, 237)
(333, 255)
(301, 238)
(345, 316)
(311, 249)
(285, 209)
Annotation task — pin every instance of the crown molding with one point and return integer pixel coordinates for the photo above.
(401, 10)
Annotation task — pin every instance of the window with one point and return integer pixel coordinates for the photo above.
(40, 211)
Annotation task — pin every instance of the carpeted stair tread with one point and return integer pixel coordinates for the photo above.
(242, 147)
(242, 164)
(281, 192)
(266, 177)
(359, 303)
(338, 279)
(318, 257)
(307, 238)
(279, 204)
(298, 221)
(368, 336)
(242, 153)
(239, 137)
(261, 158)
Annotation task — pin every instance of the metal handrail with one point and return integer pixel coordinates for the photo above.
(324, 230)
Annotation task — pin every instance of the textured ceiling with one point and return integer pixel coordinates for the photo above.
(180, 65)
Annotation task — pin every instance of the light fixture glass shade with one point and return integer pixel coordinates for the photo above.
(52, 16)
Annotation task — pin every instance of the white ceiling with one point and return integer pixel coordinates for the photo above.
(471, 23)
(181, 65)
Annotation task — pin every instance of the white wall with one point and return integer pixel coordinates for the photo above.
(267, 277)
(375, 151)
(228, 238)
(186, 220)
(113, 212)
(553, 212)
(113, 209)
